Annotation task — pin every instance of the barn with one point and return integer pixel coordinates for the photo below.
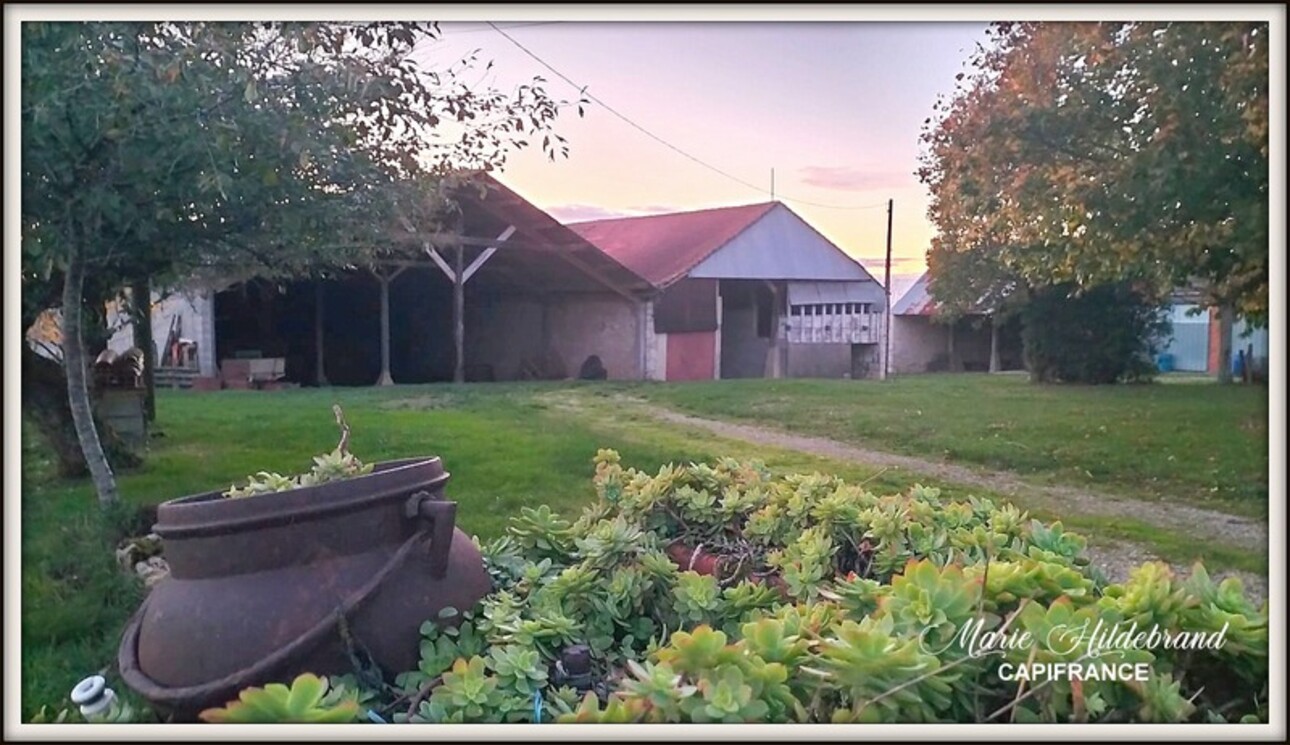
(747, 291)
(921, 343)
(513, 294)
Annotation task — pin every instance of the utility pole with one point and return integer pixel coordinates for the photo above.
(886, 286)
(772, 184)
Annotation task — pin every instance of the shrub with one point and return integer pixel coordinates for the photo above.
(1106, 334)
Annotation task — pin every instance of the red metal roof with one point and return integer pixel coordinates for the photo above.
(663, 248)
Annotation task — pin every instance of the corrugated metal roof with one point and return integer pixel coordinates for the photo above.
(811, 293)
(756, 241)
(917, 300)
(664, 248)
(510, 208)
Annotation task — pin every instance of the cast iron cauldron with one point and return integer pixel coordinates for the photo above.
(264, 588)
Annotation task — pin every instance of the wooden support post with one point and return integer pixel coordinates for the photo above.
(994, 344)
(385, 378)
(385, 281)
(459, 273)
(953, 363)
(773, 366)
(458, 317)
(320, 373)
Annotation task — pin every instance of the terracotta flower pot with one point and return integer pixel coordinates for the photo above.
(696, 559)
(263, 588)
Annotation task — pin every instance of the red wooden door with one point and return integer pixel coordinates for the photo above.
(692, 355)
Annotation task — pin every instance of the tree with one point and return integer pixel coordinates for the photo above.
(1097, 153)
(152, 151)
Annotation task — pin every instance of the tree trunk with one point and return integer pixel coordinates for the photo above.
(1225, 343)
(44, 405)
(141, 325)
(78, 394)
(995, 365)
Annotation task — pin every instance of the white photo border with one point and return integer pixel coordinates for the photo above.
(1275, 14)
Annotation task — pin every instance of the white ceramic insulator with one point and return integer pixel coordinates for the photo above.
(93, 696)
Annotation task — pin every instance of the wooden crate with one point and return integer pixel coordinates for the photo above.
(123, 411)
(207, 384)
(252, 373)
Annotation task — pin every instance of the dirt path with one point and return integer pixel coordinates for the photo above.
(1115, 557)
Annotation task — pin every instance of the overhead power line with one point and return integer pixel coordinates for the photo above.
(583, 90)
(526, 24)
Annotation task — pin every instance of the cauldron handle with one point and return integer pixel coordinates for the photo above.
(441, 518)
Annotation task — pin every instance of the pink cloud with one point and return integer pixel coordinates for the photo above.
(846, 178)
(572, 213)
(894, 260)
(656, 209)
(584, 212)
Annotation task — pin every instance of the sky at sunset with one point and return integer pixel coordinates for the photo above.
(834, 108)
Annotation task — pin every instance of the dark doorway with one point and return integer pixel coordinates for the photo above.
(746, 325)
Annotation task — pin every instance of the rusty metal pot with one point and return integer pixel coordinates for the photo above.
(264, 588)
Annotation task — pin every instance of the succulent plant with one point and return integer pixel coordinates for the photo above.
(825, 617)
(302, 702)
(334, 466)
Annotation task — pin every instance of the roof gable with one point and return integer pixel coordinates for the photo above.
(746, 242)
(664, 248)
(781, 245)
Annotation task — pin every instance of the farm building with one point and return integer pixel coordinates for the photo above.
(919, 343)
(749, 291)
(731, 292)
(535, 301)
(1193, 342)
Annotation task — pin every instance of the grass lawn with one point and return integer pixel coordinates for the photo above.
(507, 446)
(1201, 442)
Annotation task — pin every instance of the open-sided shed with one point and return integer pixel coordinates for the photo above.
(509, 294)
(922, 343)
